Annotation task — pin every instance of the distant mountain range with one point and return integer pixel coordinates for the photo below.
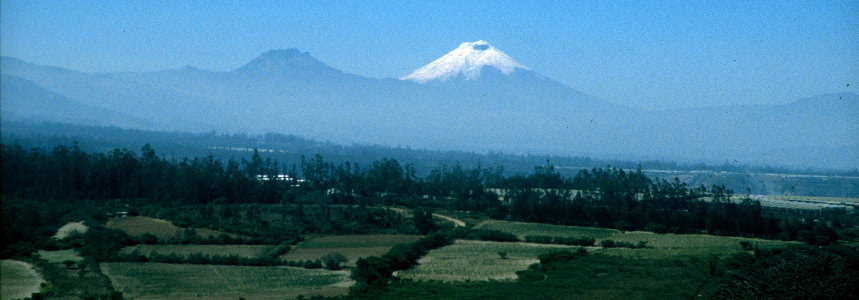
(475, 98)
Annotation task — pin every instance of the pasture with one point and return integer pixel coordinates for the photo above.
(245, 251)
(478, 260)
(137, 226)
(71, 228)
(155, 280)
(523, 229)
(18, 280)
(351, 246)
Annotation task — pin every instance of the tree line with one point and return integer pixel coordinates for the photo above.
(600, 197)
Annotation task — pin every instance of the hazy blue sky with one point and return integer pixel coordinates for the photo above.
(646, 54)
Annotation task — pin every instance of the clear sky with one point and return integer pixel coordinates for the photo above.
(647, 54)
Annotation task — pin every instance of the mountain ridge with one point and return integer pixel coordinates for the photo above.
(521, 112)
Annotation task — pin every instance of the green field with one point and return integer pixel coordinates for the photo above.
(478, 260)
(358, 240)
(137, 226)
(155, 280)
(693, 241)
(60, 256)
(523, 229)
(246, 251)
(659, 245)
(351, 246)
(18, 280)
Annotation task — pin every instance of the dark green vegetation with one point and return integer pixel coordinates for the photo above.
(248, 201)
(288, 149)
(794, 273)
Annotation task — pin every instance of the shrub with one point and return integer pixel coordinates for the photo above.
(334, 261)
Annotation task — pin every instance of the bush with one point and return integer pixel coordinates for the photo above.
(333, 261)
(312, 264)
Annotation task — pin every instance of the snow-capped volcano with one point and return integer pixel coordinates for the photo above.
(466, 60)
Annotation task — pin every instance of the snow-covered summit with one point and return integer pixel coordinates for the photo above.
(467, 60)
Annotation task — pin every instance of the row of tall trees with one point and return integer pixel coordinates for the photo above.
(604, 197)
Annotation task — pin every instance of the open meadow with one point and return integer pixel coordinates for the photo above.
(352, 247)
(156, 280)
(478, 260)
(18, 280)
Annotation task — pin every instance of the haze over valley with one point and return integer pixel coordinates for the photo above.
(475, 98)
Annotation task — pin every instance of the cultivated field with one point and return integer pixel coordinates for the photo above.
(693, 241)
(659, 245)
(246, 251)
(137, 226)
(351, 246)
(523, 229)
(358, 240)
(70, 228)
(18, 280)
(478, 260)
(806, 202)
(60, 256)
(155, 280)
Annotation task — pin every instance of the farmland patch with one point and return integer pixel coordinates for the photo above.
(18, 280)
(60, 256)
(523, 229)
(694, 241)
(137, 226)
(351, 246)
(478, 260)
(658, 245)
(358, 240)
(156, 280)
(245, 251)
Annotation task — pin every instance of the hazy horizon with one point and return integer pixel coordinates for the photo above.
(646, 55)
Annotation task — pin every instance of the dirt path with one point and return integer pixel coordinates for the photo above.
(456, 222)
(407, 213)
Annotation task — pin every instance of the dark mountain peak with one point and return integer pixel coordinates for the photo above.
(285, 61)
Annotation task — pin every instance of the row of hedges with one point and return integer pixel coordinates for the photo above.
(267, 258)
(572, 241)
